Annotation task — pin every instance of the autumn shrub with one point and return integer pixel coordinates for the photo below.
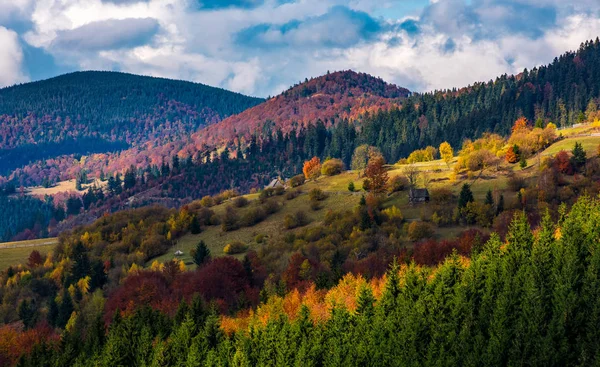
(278, 191)
(235, 247)
(317, 195)
(393, 215)
(397, 183)
(253, 216)
(207, 201)
(218, 199)
(265, 194)
(230, 220)
(292, 194)
(297, 180)
(418, 230)
(563, 163)
(516, 183)
(271, 206)
(298, 219)
(332, 167)
(260, 238)
(240, 202)
(441, 195)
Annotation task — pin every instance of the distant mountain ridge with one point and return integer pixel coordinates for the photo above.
(116, 110)
(339, 95)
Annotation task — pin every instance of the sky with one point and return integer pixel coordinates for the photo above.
(261, 47)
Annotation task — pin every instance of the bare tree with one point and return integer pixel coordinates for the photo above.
(412, 174)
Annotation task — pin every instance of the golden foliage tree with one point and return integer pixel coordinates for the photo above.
(446, 152)
(312, 168)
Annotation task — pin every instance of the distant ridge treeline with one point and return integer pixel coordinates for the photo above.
(110, 107)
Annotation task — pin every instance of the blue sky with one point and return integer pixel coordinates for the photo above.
(260, 47)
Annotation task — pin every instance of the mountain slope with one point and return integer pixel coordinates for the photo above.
(93, 111)
(339, 95)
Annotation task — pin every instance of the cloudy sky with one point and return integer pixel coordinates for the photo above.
(261, 47)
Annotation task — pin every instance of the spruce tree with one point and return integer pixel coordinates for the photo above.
(465, 197)
(201, 254)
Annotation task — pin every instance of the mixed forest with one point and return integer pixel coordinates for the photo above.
(339, 262)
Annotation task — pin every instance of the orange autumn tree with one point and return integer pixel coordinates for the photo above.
(520, 124)
(312, 168)
(376, 175)
(512, 154)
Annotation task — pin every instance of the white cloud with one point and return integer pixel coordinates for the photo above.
(11, 57)
(458, 42)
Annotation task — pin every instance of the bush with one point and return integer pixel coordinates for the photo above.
(230, 221)
(265, 194)
(207, 201)
(315, 205)
(351, 187)
(270, 206)
(253, 216)
(292, 194)
(260, 238)
(393, 215)
(419, 230)
(240, 202)
(397, 183)
(516, 183)
(278, 191)
(317, 195)
(297, 180)
(298, 219)
(332, 167)
(235, 247)
(440, 196)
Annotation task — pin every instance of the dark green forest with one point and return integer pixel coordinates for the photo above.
(115, 109)
(529, 300)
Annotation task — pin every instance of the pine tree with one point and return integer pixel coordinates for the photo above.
(489, 198)
(201, 254)
(579, 156)
(195, 225)
(465, 197)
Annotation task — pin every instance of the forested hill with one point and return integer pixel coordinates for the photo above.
(334, 96)
(63, 115)
(560, 92)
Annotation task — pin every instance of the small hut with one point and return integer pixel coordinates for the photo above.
(178, 253)
(276, 183)
(418, 196)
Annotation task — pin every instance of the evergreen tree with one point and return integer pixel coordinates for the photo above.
(195, 225)
(465, 196)
(201, 254)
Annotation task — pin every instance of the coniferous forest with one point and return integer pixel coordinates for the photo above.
(532, 297)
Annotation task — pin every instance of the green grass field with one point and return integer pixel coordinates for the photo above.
(272, 226)
(10, 255)
(590, 144)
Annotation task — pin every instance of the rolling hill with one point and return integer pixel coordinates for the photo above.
(98, 112)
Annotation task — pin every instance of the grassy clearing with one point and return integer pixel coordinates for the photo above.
(589, 143)
(63, 186)
(272, 227)
(19, 255)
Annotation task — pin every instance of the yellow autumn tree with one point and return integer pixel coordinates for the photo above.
(446, 152)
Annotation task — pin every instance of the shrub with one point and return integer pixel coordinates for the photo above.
(253, 216)
(235, 247)
(270, 206)
(260, 238)
(240, 202)
(297, 180)
(332, 167)
(298, 219)
(278, 191)
(315, 205)
(265, 194)
(397, 183)
(516, 183)
(440, 196)
(351, 187)
(317, 195)
(230, 220)
(419, 230)
(393, 215)
(207, 201)
(292, 194)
